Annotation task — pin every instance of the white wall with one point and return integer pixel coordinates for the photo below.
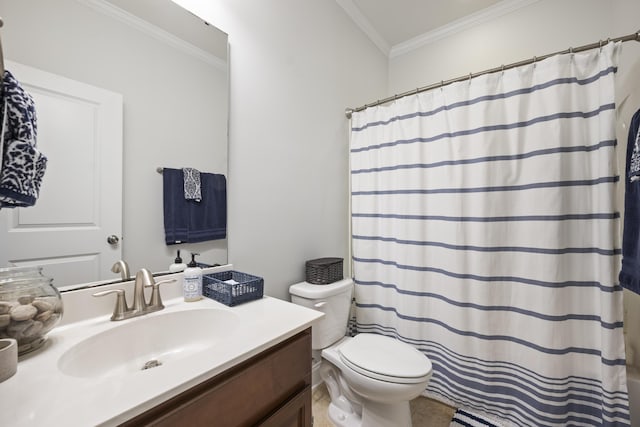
(544, 27)
(175, 107)
(295, 66)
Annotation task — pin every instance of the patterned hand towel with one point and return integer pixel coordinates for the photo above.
(22, 166)
(192, 187)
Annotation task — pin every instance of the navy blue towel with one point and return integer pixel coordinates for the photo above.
(630, 273)
(190, 221)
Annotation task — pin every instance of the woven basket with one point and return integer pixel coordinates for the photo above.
(248, 287)
(323, 271)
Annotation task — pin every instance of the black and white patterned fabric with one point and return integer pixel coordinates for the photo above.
(192, 185)
(467, 419)
(22, 166)
(634, 163)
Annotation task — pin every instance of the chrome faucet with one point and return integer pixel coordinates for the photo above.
(123, 268)
(144, 279)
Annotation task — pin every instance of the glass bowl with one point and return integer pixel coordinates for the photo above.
(30, 306)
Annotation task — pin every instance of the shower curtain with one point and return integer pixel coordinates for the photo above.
(485, 233)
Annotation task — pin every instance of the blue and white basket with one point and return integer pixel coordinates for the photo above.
(232, 287)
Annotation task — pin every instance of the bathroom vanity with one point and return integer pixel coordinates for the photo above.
(199, 363)
(272, 388)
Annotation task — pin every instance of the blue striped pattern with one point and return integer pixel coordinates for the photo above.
(485, 98)
(522, 156)
(466, 419)
(492, 249)
(612, 215)
(484, 233)
(507, 126)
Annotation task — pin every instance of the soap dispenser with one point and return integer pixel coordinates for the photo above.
(177, 265)
(192, 280)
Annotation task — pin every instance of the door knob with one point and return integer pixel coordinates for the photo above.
(113, 240)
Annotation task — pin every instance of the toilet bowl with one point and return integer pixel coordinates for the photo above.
(381, 373)
(371, 378)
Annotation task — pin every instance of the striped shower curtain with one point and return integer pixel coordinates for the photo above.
(485, 233)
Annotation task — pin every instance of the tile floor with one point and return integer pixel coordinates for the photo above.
(424, 412)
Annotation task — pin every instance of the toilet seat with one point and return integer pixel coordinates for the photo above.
(385, 359)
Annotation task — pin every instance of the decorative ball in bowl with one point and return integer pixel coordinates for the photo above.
(30, 306)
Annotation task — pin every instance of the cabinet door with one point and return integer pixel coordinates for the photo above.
(295, 413)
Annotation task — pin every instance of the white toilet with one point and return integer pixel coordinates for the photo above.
(371, 378)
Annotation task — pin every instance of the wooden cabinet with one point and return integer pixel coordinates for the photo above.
(272, 389)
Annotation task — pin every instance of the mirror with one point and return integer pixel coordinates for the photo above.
(170, 69)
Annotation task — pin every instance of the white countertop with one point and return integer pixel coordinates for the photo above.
(40, 394)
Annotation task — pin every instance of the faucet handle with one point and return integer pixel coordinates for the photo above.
(156, 300)
(121, 308)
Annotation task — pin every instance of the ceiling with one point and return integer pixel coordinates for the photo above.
(396, 26)
(170, 17)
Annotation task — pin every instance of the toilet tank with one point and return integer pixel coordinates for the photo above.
(334, 300)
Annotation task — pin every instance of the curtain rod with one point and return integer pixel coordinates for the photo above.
(630, 37)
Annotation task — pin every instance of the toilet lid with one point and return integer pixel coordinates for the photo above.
(384, 358)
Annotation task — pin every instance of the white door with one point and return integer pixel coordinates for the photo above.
(80, 203)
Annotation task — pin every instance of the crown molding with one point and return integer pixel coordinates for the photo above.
(158, 33)
(365, 25)
(457, 26)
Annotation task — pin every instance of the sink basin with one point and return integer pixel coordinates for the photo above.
(148, 342)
